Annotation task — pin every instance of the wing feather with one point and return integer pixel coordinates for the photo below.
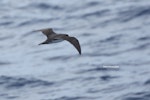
(47, 31)
(72, 40)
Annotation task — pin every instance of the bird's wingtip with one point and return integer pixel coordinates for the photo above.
(80, 53)
(35, 30)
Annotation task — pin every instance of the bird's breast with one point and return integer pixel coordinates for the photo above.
(56, 41)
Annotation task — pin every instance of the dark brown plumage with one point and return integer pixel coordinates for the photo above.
(52, 37)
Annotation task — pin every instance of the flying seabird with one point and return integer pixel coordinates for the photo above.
(52, 37)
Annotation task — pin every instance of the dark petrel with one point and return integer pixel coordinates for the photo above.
(52, 37)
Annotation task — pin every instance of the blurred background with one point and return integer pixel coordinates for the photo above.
(112, 33)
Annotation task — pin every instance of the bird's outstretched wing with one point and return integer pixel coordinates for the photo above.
(72, 40)
(47, 31)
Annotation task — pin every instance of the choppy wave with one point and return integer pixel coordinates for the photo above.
(14, 82)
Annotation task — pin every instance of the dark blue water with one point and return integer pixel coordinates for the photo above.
(115, 40)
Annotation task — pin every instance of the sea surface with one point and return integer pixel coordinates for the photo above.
(115, 41)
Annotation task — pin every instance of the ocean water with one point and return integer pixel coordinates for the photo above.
(115, 41)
